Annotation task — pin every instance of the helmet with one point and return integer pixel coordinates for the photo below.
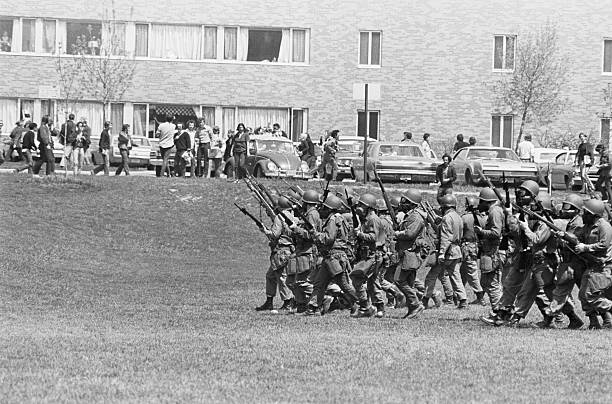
(546, 201)
(283, 203)
(274, 200)
(594, 207)
(332, 202)
(310, 196)
(574, 200)
(531, 187)
(381, 205)
(487, 195)
(471, 202)
(394, 201)
(413, 195)
(368, 200)
(448, 201)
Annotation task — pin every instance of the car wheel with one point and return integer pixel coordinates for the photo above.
(468, 178)
(229, 170)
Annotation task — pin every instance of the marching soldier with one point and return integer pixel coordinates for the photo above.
(470, 249)
(448, 257)
(571, 267)
(596, 248)
(332, 243)
(394, 296)
(371, 240)
(305, 252)
(411, 249)
(490, 237)
(282, 245)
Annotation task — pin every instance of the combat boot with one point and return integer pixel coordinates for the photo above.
(479, 299)
(400, 301)
(266, 306)
(413, 313)
(365, 312)
(287, 305)
(425, 302)
(594, 323)
(513, 321)
(455, 300)
(449, 300)
(607, 319)
(380, 310)
(312, 311)
(491, 319)
(437, 298)
(391, 302)
(576, 322)
(546, 323)
(327, 301)
(462, 304)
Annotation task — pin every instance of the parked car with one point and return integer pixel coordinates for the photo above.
(564, 174)
(469, 162)
(140, 155)
(395, 161)
(271, 156)
(349, 147)
(544, 157)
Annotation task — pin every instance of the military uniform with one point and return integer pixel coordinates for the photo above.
(282, 249)
(449, 255)
(470, 251)
(390, 261)
(370, 250)
(491, 260)
(304, 260)
(515, 262)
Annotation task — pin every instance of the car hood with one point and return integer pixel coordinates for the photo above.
(507, 164)
(283, 160)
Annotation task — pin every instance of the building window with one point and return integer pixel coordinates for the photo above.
(47, 108)
(501, 130)
(141, 48)
(210, 43)
(299, 46)
(264, 45)
(504, 50)
(113, 39)
(230, 43)
(28, 35)
(83, 38)
(139, 128)
(116, 117)
(299, 118)
(607, 56)
(176, 41)
(370, 122)
(6, 35)
(49, 36)
(369, 48)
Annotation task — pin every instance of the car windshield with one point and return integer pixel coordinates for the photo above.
(350, 146)
(275, 146)
(493, 154)
(545, 157)
(399, 150)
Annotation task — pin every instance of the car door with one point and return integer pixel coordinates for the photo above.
(559, 170)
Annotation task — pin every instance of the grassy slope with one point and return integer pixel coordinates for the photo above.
(143, 289)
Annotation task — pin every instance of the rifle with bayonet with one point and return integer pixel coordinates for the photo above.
(503, 244)
(295, 188)
(265, 198)
(386, 199)
(325, 191)
(257, 221)
(260, 198)
(432, 217)
(349, 200)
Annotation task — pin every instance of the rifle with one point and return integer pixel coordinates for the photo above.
(295, 188)
(262, 200)
(503, 244)
(257, 221)
(349, 199)
(325, 192)
(386, 198)
(307, 225)
(591, 191)
(474, 212)
(265, 197)
(432, 217)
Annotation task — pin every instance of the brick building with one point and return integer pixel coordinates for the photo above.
(303, 64)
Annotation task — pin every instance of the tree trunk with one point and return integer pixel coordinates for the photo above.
(520, 135)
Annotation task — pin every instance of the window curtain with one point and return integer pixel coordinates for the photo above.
(116, 118)
(230, 43)
(16, 46)
(229, 120)
(93, 112)
(299, 46)
(243, 43)
(28, 36)
(27, 108)
(176, 42)
(208, 113)
(265, 117)
(113, 38)
(140, 120)
(284, 53)
(142, 40)
(8, 113)
(210, 43)
(49, 36)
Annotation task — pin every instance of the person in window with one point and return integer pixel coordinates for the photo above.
(526, 149)
(240, 150)
(426, 146)
(446, 175)
(276, 130)
(124, 144)
(5, 42)
(460, 143)
(94, 46)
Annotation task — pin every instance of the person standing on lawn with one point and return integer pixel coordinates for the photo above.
(330, 148)
(166, 133)
(193, 140)
(240, 150)
(281, 241)
(182, 143)
(470, 248)
(104, 149)
(27, 146)
(446, 176)
(217, 149)
(45, 147)
(124, 144)
(204, 144)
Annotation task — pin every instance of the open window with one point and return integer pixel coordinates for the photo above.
(6, 35)
(83, 38)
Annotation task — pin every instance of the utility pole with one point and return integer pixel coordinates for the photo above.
(365, 139)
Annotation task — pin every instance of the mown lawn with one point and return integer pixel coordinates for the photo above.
(142, 289)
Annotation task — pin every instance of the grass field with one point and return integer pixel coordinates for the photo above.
(143, 289)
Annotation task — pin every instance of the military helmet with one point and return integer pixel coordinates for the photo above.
(545, 200)
(381, 205)
(531, 187)
(274, 200)
(471, 202)
(413, 195)
(574, 200)
(283, 203)
(448, 201)
(368, 200)
(595, 207)
(487, 195)
(310, 196)
(394, 201)
(332, 202)
(343, 199)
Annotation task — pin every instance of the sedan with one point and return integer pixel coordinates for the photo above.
(271, 156)
(396, 161)
(349, 147)
(140, 154)
(494, 162)
(544, 158)
(565, 175)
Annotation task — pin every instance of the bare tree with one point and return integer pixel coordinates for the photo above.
(534, 90)
(72, 81)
